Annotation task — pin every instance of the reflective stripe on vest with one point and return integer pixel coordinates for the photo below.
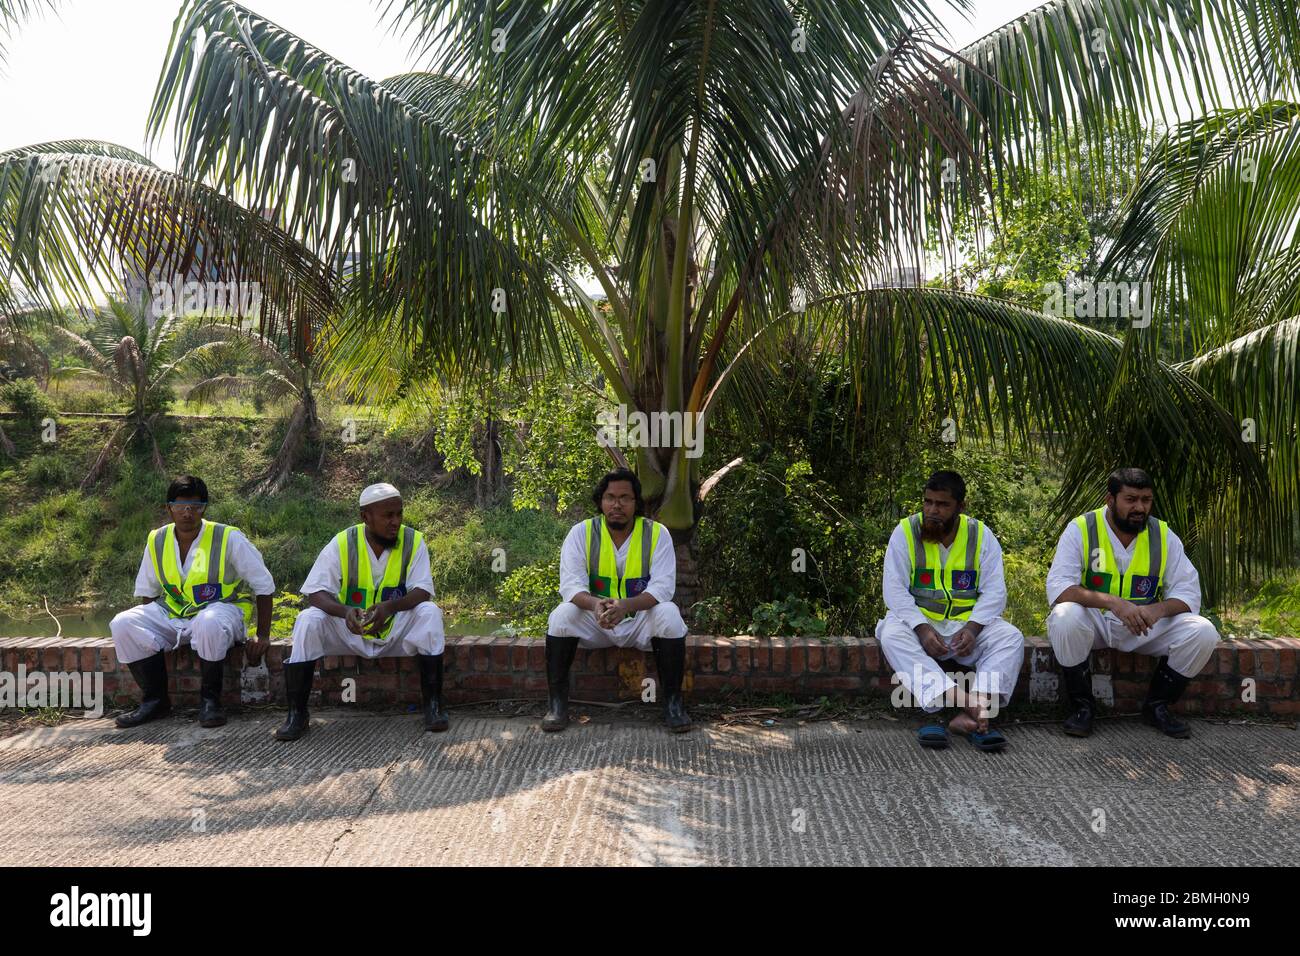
(603, 580)
(1101, 571)
(948, 592)
(358, 586)
(205, 583)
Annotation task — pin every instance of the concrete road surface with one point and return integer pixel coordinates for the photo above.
(374, 789)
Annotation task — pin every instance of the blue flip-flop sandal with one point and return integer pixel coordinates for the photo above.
(991, 741)
(933, 735)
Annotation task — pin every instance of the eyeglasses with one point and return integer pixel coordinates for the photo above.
(187, 505)
(618, 499)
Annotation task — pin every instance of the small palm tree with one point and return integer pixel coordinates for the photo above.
(138, 359)
(19, 356)
(286, 375)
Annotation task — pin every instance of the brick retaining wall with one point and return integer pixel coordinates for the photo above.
(493, 668)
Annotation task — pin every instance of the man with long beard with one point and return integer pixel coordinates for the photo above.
(618, 572)
(370, 593)
(945, 594)
(1121, 579)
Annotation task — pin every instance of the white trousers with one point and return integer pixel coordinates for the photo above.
(662, 620)
(144, 630)
(417, 631)
(997, 657)
(1075, 631)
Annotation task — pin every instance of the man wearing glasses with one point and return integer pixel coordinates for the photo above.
(618, 572)
(190, 587)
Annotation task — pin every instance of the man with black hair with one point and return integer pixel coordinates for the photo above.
(190, 586)
(945, 594)
(618, 572)
(1120, 578)
(371, 595)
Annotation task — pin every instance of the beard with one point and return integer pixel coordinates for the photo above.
(937, 530)
(617, 525)
(1132, 524)
(386, 542)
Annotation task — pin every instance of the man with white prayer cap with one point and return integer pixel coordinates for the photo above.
(371, 595)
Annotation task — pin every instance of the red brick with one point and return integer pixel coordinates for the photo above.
(798, 659)
(500, 656)
(537, 655)
(832, 684)
(762, 657)
(1267, 662)
(596, 686)
(1245, 662)
(1287, 662)
(493, 682)
(815, 657)
(834, 658)
(873, 661)
(519, 657)
(1283, 708)
(744, 658)
(1227, 660)
(723, 660)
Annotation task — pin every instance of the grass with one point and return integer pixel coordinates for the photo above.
(83, 550)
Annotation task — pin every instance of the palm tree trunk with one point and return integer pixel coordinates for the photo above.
(303, 424)
(106, 454)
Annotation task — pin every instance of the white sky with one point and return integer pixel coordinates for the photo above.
(89, 71)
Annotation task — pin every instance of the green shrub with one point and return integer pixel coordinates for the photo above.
(25, 397)
(528, 595)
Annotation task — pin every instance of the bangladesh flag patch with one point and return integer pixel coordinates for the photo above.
(1097, 580)
(600, 585)
(923, 578)
(356, 598)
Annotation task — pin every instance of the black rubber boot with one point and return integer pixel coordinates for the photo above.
(210, 712)
(297, 688)
(151, 675)
(670, 662)
(1083, 706)
(559, 658)
(1167, 685)
(435, 716)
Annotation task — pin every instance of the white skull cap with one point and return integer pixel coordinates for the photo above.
(380, 492)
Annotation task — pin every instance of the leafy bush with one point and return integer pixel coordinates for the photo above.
(25, 397)
(528, 594)
(792, 615)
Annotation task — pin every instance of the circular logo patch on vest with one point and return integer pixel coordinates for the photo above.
(355, 597)
(1096, 579)
(926, 577)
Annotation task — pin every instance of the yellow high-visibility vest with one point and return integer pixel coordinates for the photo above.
(945, 591)
(602, 570)
(206, 582)
(357, 586)
(1144, 581)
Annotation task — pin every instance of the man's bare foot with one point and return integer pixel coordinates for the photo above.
(963, 723)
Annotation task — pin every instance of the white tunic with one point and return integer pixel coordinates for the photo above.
(990, 604)
(241, 556)
(1180, 581)
(327, 573)
(573, 564)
